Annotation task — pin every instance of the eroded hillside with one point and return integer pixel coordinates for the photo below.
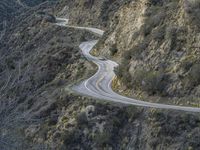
(39, 61)
(157, 46)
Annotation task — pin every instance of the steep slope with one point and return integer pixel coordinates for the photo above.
(156, 44)
(8, 8)
(13, 8)
(38, 59)
(38, 63)
(93, 13)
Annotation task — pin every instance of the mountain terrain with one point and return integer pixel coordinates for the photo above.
(158, 50)
(155, 42)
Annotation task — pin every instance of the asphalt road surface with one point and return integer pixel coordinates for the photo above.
(99, 85)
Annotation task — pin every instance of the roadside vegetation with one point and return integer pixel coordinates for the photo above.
(38, 61)
(164, 61)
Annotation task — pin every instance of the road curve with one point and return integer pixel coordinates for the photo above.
(99, 85)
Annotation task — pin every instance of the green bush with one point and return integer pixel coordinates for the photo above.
(126, 79)
(82, 119)
(10, 63)
(102, 138)
(132, 112)
(171, 35)
(113, 49)
(118, 71)
(122, 69)
(186, 65)
(159, 34)
(137, 50)
(194, 74)
(153, 83)
(127, 55)
(71, 137)
(138, 77)
(192, 7)
(156, 2)
(154, 17)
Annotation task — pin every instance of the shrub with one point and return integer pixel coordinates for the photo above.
(138, 78)
(156, 2)
(194, 74)
(103, 138)
(119, 71)
(82, 38)
(113, 49)
(132, 112)
(122, 69)
(154, 83)
(71, 137)
(126, 79)
(192, 7)
(186, 65)
(171, 35)
(10, 63)
(155, 16)
(159, 34)
(82, 118)
(193, 141)
(137, 50)
(127, 55)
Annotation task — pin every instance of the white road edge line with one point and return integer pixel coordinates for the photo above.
(112, 96)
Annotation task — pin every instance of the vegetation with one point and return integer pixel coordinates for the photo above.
(194, 74)
(171, 125)
(113, 49)
(103, 138)
(120, 126)
(153, 82)
(82, 118)
(38, 61)
(193, 9)
(162, 58)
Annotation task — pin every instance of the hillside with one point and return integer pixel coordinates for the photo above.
(156, 45)
(38, 59)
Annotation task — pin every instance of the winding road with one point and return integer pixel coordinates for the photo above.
(99, 85)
